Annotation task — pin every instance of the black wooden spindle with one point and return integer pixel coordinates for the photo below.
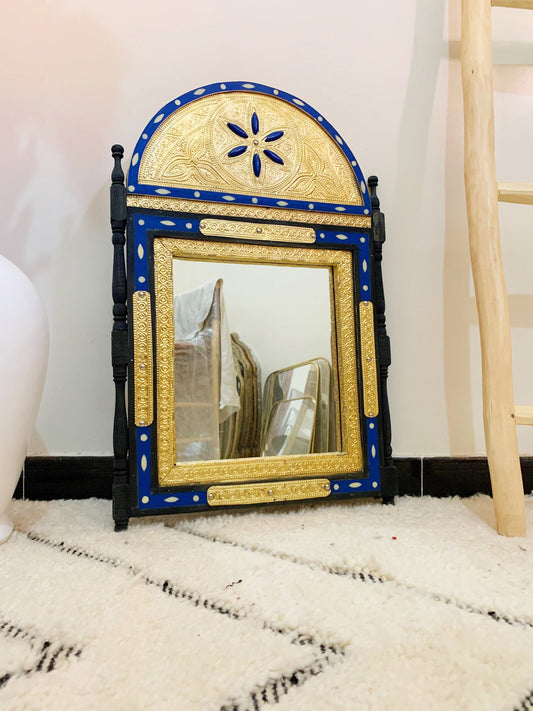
(389, 474)
(119, 345)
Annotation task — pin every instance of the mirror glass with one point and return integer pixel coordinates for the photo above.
(254, 369)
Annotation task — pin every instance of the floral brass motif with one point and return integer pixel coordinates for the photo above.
(251, 230)
(349, 460)
(153, 202)
(368, 357)
(223, 143)
(142, 358)
(268, 492)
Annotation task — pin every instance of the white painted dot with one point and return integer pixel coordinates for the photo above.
(282, 203)
(366, 212)
(322, 235)
(339, 140)
(374, 484)
(276, 92)
(144, 462)
(363, 240)
(140, 251)
(228, 197)
(177, 102)
(145, 499)
(365, 265)
(163, 191)
(354, 163)
(339, 208)
(168, 223)
(249, 86)
(196, 194)
(336, 487)
(171, 499)
(144, 438)
(254, 200)
(342, 236)
(131, 188)
(311, 206)
(196, 498)
(373, 452)
(159, 118)
(141, 280)
(141, 222)
(144, 136)
(365, 287)
(189, 225)
(355, 485)
(135, 159)
(363, 187)
(371, 426)
(199, 92)
(320, 119)
(222, 86)
(297, 101)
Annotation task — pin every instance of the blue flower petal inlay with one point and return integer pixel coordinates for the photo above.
(238, 130)
(255, 123)
(273, 156)
(238, 151)
(273, 136)
(256, 164)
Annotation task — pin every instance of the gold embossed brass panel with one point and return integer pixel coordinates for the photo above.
(153, 202)
(195, 146)
(339, 263)
(269, 492)
(257, 231)
(368, 359)
(142, 358)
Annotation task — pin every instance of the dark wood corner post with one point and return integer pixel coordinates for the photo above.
(389, 473)
(119, 345)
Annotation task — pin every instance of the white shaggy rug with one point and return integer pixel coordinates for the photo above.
(350, 606)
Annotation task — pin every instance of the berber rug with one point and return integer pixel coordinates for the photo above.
(338, 606)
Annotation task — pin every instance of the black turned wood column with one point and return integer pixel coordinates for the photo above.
(389, 473)
(119, 346)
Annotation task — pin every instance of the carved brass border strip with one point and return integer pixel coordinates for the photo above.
(256, 231)
(349, 460)
(164, 345)
(153, 202)
(269, 492)
(368, 357)
(143, 373)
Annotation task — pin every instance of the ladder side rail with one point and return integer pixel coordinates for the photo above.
(487, 269)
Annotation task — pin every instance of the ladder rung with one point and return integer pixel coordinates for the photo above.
(519, 4)
(516, 192)
(524, 414)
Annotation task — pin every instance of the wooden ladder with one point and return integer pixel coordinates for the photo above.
(500, 414)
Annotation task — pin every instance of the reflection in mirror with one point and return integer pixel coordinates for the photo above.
(238, 330)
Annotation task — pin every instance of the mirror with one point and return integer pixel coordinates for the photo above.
(238, 328)
(249, 346)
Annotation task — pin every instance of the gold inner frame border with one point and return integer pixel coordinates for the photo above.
(350, 460)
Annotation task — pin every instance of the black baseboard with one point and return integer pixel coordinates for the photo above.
(47, 478)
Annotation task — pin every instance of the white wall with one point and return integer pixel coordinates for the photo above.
(80, 75)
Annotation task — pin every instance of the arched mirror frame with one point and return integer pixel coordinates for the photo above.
(187, 196)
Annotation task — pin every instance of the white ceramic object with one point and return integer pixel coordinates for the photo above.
(23, 361)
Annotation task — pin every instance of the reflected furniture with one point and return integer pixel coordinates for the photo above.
(241, 176)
